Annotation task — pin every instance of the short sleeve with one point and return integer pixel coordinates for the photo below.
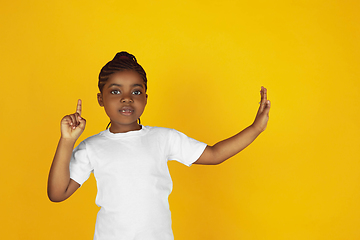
(80, 166)
(184, 149)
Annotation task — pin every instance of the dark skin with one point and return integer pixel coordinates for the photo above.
(60, 186)
(227, 148)
(124, 99)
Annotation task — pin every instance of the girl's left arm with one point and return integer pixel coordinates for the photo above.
(227, 148)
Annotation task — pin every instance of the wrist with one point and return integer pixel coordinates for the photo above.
(257, 130)
(67, 140)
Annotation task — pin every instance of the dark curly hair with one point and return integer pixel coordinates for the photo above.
(122, 61)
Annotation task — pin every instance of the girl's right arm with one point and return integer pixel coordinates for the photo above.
(60, 186)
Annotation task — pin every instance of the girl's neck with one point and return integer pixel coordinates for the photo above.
(124, 129)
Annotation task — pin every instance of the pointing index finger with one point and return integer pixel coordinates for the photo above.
(78, 108)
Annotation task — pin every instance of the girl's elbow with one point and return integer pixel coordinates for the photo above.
(54, 200)
(55, 197)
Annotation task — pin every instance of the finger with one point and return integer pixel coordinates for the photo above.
(66, 120)
(77, 118)
(267, 107)
(73, 122)
(78, 107)
(263, 95)
(82, 123)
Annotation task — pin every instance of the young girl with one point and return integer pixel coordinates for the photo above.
(129, 160)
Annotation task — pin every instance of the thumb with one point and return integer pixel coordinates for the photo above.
(82, 122)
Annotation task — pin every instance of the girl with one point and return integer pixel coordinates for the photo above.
(129, 160)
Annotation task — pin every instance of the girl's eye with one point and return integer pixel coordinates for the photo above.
(115, 92)
(137, 92)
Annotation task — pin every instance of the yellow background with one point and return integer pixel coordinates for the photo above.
(205, 61)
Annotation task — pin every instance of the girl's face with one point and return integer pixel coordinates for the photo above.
(124, 99)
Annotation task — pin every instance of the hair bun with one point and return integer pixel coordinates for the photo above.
(124, 56)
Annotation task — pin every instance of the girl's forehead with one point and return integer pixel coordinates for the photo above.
(125, 77)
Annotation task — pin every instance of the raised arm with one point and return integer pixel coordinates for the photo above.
(227, 148)
(60, 186)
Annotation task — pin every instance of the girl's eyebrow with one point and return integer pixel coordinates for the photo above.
(119, 85)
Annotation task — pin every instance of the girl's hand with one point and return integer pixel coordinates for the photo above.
(73, 125)
(262, 115)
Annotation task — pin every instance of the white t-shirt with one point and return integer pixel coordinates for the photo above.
(133, 179)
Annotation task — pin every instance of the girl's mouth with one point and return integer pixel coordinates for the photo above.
(126, 111)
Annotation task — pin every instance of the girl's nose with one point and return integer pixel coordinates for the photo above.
(126, 98)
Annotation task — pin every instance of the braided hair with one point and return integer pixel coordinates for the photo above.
(122, 61)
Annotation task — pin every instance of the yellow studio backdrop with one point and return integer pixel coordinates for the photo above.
(206, 62)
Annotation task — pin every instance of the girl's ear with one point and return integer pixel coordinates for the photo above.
(100, 99)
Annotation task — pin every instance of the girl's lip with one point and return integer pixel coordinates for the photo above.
(126, 111)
